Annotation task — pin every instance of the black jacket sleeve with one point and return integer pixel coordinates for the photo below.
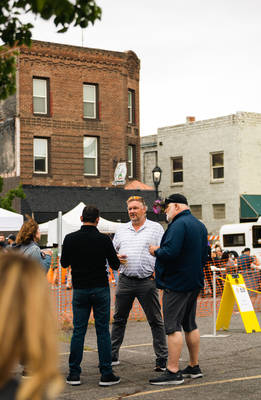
(111, 255)
(66, 254)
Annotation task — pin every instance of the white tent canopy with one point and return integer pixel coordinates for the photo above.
(10, 221)
(71, 222)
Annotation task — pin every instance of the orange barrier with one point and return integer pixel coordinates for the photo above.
(63, 293)
(53, 273)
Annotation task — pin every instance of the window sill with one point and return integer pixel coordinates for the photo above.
(91, 176)
(42, 115)
(42, 174)
(177, 184)
(216, 181)
(91, 119)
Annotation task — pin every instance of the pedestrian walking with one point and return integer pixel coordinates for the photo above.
(179, 271)
(136, 279)
(87, 252)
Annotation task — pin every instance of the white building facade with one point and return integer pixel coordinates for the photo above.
(212, 162)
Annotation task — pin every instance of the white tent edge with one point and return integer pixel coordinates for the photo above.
(10, 221)
(71, 223)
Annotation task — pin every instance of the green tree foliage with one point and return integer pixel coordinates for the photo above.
(6, 201)
(13, 33)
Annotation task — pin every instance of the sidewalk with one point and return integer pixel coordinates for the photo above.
(231, 366)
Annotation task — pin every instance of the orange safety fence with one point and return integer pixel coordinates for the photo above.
(62, 290)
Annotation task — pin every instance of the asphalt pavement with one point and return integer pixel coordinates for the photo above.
(231, 366)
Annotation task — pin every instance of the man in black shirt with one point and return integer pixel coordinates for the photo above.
(86, 251)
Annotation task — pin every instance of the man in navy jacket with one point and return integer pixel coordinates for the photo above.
(179, 271)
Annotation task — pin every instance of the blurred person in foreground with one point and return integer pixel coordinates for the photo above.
(28, 331)
(136, 279)
(26, 243)
(87, 252)
(180, 259)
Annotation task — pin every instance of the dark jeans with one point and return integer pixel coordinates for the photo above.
(146, 292)
(84, 300)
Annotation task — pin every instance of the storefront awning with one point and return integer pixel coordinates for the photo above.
(250, 206)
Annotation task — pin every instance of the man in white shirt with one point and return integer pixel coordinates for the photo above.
(136, 279)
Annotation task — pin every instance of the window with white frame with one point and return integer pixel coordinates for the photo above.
(217, 166)
(90, 101)
(177, 170)
(131, 106)
(219, 211)
(40, 155)
(130, 163)
(40, 96)
(196, 210)
(90, 154)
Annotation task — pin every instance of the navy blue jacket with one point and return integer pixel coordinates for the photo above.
(182, 254)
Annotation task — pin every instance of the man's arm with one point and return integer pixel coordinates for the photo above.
(66, 254)
(172, 245)
(111, 255)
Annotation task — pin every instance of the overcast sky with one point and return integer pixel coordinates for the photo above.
(198, 57)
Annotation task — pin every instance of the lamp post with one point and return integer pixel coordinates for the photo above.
(156, 176)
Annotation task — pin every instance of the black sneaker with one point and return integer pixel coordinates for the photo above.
(73, 379)
(160, 365)
(192, 372)
(168, 378)
(114, 361)
(108, 380)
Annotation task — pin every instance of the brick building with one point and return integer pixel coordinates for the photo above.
(74, 116)
(215, 163)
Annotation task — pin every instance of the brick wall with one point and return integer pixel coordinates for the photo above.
(67, 68)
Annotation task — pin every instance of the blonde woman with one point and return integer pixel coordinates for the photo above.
(26, 241)
(27, 330)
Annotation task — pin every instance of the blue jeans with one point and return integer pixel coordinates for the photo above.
(84, 300)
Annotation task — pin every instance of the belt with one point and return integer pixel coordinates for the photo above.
(135, 278)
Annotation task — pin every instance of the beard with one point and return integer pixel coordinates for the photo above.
(168, 218)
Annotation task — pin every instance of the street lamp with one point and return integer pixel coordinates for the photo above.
(156, 176)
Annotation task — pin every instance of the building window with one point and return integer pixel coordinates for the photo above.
(40, 96)
(219, 211)
(196, 210)
(40, 156)
(177, 170)
(130, 163)
(217, 166)
(131, 106)
(90, 154)
(90, 103)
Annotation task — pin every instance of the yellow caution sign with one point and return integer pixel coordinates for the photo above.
(235, 290)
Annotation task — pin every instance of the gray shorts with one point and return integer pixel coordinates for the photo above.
(179, 310)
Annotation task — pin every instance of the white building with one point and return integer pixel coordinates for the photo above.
(215, 163)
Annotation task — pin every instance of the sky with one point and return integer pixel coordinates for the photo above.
(198, 58)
